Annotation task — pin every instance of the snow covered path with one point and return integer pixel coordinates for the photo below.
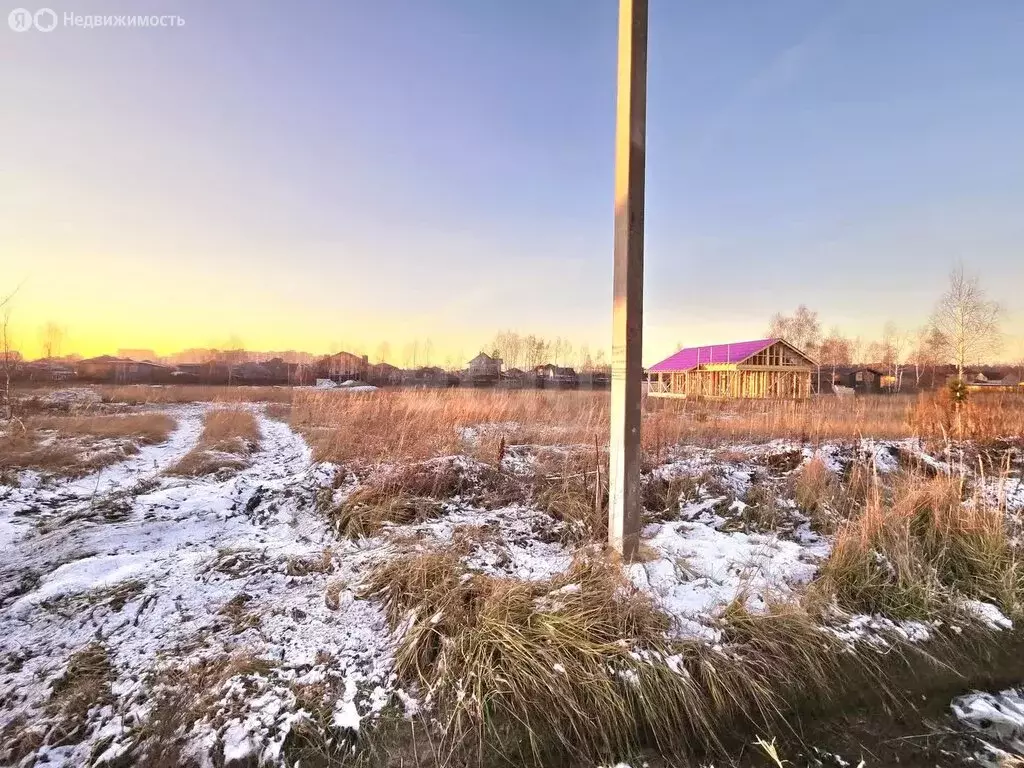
(163, 572)
(38, 500)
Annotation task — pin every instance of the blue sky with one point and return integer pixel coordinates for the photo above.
(316, 174)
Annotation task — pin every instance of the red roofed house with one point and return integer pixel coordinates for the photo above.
(765, 368)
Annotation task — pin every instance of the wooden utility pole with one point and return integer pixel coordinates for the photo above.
(628, 281)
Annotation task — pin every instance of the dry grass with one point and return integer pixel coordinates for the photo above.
(389, 426)
(76, 445)
(816, 490)
(148, 394)
(915, 548)
(229, 437)
(84, 685)
(572, 487)
(580, 667)
(397, 425)
(183, 696)
(414, 493)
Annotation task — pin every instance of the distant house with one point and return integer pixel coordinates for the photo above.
(121, 370)
(993, 380)
(515, 378)
(766, 368)
(861, 379)
(46, 370)
(384, 373)
(210, 372)
(598, 378)
(342, 366)
(427, 376)
(137, 354)
(483, 369)
(252, 373)
(281, 372)
(101, 368)
(549, 375)
(988, 376)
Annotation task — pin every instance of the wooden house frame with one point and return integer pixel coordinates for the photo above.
(767, 368)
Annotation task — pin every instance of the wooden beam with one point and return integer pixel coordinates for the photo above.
(628, 281)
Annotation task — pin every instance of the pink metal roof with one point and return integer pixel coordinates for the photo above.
(691, 357)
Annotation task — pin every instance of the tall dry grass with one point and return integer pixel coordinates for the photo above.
(229, 437)
(579, 668)
(150, 394)
(918, 547)
(74, 445)
(396, 425)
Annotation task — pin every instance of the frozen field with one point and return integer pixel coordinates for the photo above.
(147, 618)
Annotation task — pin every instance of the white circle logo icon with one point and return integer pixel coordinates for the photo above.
(20, 20)
(45, 20)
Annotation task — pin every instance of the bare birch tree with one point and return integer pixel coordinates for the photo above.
(967, 322)
(926, 353)
(802, 329)
(894, 349)
(8, 358)
(835, 351)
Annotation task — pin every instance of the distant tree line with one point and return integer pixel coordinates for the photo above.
(963, 330)
(529, 351)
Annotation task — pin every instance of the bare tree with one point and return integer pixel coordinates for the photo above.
(508, 346)
(925, 352)
(584, 361)
(967, 322)
(383, 352)
(894, 349)
(835, 350)
(802, 329)
(8, 358)
(51, 338)
(411, 354)
(234, 355)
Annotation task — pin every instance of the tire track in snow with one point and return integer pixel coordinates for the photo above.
(168, 543)
(41, 524)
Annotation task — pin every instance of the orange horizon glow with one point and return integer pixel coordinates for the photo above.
(362, 183)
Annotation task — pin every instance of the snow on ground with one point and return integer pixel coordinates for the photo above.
(76, 398)
(171, 572)
(39, 499)
(700, 569)
(514, 550)
(185, 553)
(999, 718)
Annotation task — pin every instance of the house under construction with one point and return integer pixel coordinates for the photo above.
(767, 368)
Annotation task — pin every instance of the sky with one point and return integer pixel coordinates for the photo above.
(331, 175)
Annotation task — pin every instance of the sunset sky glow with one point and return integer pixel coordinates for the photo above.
(331, 175)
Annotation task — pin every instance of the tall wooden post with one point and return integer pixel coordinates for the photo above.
(628, 281)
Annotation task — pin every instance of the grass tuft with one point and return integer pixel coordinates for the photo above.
(581, 667)
(572, 487)
(182, 697)
(815, 490)
(416, 492)
(229, 437)
(908, 554)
